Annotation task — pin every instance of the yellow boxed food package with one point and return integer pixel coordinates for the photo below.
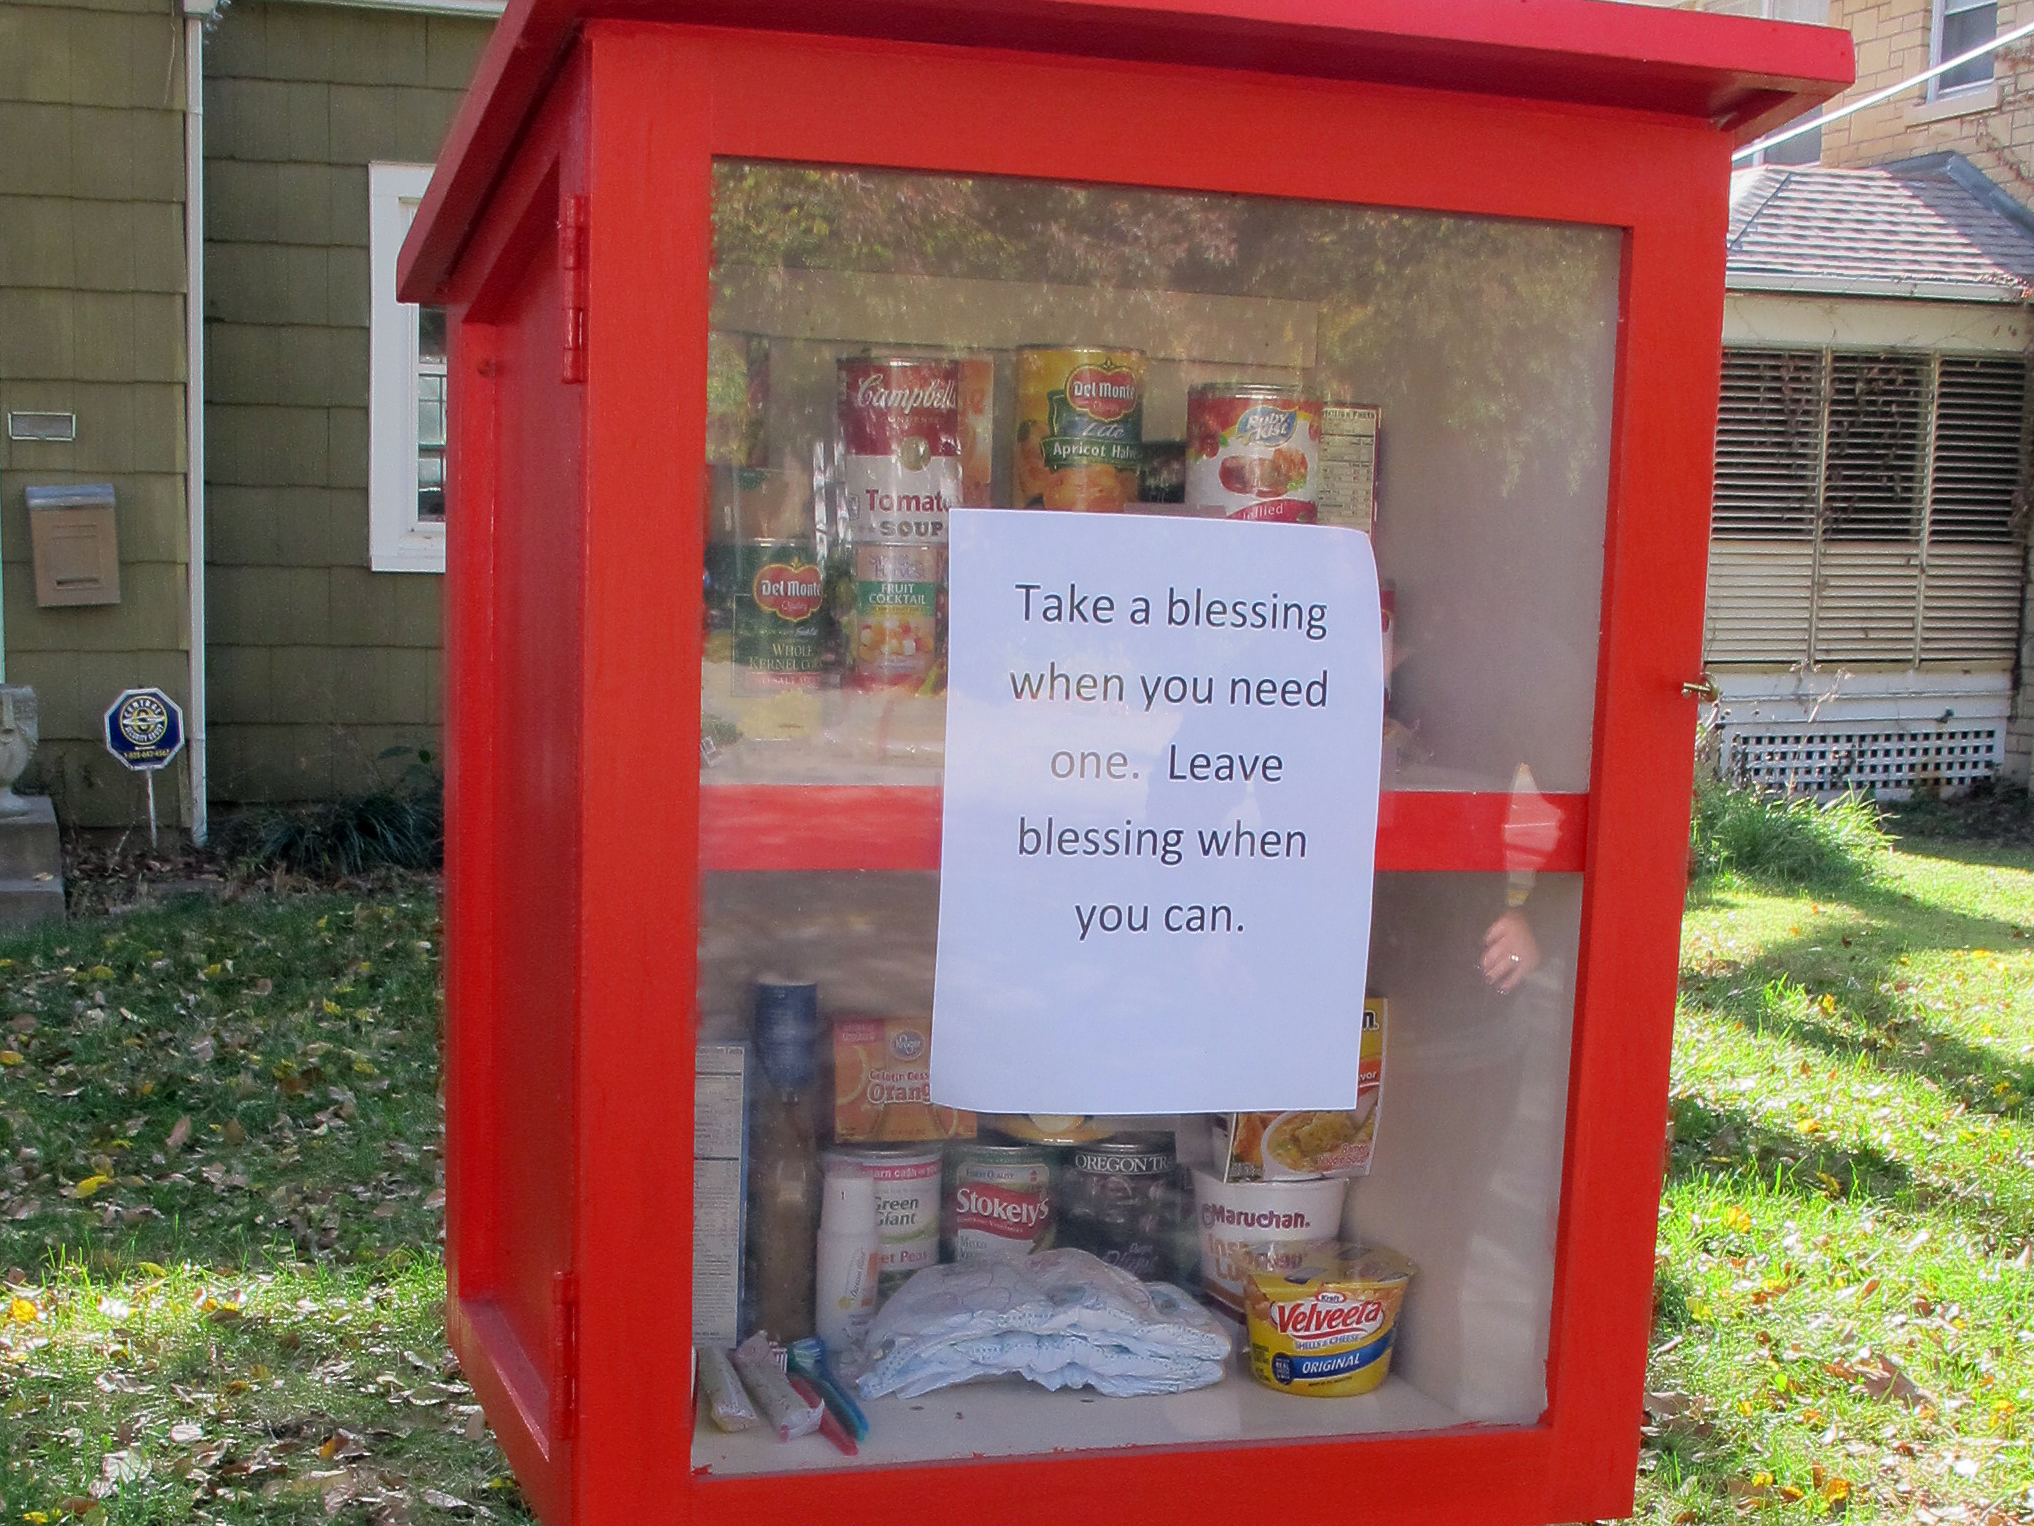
(1276, 1146)
(1327, 1327)
(882, 1083)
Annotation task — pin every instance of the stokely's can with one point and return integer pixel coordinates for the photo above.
(1117, 1200)
(894, 643)
(907, 1203)
(1079, 440)
(900, 432)
(998, 1202)
(1253, 451)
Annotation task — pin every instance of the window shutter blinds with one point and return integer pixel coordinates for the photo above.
(1768, 447)
(1818, 545)
(1970, 606)
(1871, 476)
(1768, 424)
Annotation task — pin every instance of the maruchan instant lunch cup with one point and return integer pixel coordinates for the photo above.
(1260, 1226)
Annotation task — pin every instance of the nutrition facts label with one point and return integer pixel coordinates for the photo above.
(1348, 489)
(1160, 814)
(718, 1133)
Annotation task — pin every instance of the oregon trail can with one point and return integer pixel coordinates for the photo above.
(1253, 451)
(1117, 1199)
(1079, 440)
(998, 1202)
(900, 427)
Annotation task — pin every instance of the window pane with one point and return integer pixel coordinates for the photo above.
(1465, 366)
(431, 335)
(1468, 1136)
(432, 395)
(1963, 30)
(890, 350)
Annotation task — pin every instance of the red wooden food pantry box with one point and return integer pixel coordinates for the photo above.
(747, 302)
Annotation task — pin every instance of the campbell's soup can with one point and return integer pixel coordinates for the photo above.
(1079, 439)
(900, 430)
(895, 639)
(998, 1202)
(907, 1204)
(1253, 451)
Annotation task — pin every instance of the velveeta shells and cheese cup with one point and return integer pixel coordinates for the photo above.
(1326, 1327)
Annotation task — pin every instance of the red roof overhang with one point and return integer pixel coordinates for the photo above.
(1743, 76)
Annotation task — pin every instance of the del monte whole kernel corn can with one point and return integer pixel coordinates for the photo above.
(1079, 440)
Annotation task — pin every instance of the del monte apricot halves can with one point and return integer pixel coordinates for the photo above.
(1080, 428)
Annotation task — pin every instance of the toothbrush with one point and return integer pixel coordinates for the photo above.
(808, 1361)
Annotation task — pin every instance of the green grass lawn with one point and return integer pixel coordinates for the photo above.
(1845, 1307)
(220, 1221)
(220, 1211)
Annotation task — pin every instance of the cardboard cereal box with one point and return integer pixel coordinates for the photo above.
(882, 1088)
(1270, 1146)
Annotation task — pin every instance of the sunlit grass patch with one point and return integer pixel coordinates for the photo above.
(1844, 1307)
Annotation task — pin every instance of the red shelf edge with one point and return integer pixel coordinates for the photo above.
(893, 827)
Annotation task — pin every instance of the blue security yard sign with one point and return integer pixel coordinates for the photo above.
(144, 729)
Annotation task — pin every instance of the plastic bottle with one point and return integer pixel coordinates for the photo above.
(784, 1174)
(849, 1257)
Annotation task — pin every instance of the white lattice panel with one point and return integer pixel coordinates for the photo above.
(1892, 762)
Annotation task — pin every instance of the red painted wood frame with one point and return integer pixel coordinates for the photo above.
(601, 1433)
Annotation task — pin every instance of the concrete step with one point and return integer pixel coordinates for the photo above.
(25, 903)
(28, 843)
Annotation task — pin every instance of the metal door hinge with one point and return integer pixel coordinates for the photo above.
(572, 285)
(564, 1355)
(1703, 688)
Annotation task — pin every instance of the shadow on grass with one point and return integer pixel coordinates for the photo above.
(1859, 970)
(1711, 1141)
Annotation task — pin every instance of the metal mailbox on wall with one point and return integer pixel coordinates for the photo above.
(750, 306)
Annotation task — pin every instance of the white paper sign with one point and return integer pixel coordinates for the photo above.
(1160, 814)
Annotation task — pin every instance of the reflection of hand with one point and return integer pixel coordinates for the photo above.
(1510, 952)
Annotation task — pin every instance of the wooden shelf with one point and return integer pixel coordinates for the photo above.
(892, 827)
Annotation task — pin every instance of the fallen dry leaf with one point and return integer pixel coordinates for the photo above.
(179, 1134)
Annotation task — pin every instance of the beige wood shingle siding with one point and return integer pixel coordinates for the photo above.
(317, 664)
(92, 323)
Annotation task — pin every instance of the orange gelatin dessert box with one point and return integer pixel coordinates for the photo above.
(882, 1088)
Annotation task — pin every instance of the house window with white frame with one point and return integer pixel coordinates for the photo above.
(1959, 26)
(406, 391)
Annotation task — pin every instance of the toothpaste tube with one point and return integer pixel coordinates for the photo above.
(784, 1410)
(727, 1403)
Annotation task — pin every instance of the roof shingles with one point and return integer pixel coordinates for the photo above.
(1905, 230)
